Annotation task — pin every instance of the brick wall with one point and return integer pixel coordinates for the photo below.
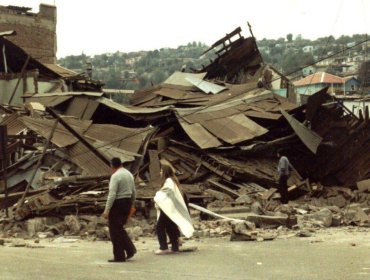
(36, 32)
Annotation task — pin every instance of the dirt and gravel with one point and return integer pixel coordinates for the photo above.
(329, 253)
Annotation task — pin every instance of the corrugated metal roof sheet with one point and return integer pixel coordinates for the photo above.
(62, 71)
(130, 109)
(14, 125)
(262, 115)
(205, 116)
(62, 137)
(90, 163)
(86, 160)
(234, 129)
(205, 86)
(179, 94)
(129, 139)
(50, 101)
(100, 136)
(43, 127)
(179, 78)
(200, 135)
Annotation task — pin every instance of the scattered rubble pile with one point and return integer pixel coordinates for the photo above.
(220, 128)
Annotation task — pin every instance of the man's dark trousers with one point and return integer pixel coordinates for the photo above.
(283, 188)
(122, 243)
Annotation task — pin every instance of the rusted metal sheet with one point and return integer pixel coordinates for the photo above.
(234, 129)
(129, 139)
(179, 94)
(200, 135)
(110, 151)
(14, 125)
(50, 101)
(194, 117)
(131, 109)
(61, 137)
(310, 138)
(82, 157)
(64, 72)
(76, 124)
(90, 109)
(77, 107)
(143, 95)
(262, 115)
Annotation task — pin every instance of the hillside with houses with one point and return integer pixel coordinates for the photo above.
(342, 57)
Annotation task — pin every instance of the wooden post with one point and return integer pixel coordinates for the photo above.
(19, 80)
(4, 162)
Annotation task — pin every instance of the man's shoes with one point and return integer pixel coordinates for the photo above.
(114, 260)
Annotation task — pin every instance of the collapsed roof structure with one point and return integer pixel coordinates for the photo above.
(219, 126)
(22, 75)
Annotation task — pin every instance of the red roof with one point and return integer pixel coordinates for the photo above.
(319, 78)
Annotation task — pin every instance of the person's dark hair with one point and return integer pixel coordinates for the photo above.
(116, 162)
(168, 172)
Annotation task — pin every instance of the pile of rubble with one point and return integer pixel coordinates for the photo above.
(220, 128)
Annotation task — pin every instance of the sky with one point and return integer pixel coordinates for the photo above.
(95, 27)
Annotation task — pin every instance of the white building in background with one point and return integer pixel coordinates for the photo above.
(307, 49)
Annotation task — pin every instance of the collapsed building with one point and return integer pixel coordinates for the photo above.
(219, 127)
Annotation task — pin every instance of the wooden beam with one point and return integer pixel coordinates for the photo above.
(19, 80)
(224, 189)
(78, 136)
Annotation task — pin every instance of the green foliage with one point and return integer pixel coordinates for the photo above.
(141, 69)
(288, 56)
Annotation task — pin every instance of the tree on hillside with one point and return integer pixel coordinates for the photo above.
(289, 37)
(364, 74)
(293, 62)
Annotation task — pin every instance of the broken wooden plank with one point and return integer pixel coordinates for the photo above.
(218, 195)
(208, 212)
(310, 138)
(267, 195)
(224, 189)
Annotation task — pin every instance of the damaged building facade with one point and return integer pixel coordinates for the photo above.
(36, 31)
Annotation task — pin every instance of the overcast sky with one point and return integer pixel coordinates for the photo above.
(95, 27)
